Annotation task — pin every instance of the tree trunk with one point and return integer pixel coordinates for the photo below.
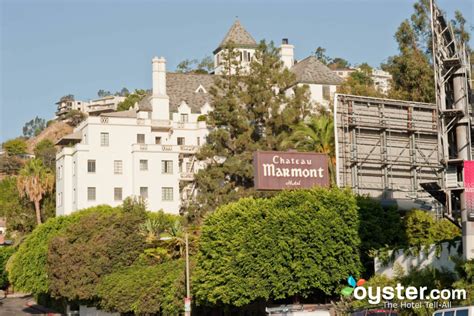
(38, 212)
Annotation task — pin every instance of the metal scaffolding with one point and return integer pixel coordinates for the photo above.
(452, 74)
(386, 148)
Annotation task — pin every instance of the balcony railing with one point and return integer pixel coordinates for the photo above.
(161, 124)
(186, 176)
(184, 149)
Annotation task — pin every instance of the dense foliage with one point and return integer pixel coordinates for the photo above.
(295, 244)
(46, 152)
(97, 244)
(27, 271)
(131, 99)
(16, 146)
(203, 66)
(34, 127)
(142, 290)
(247, 116)
(5, 254)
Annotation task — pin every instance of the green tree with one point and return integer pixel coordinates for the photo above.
(315, 135)
(16, 146)
(27, 268)
(103, 93)
(203, 66)
(295, 244)
(360, 83)
(338, 63)
(131, 99)
(74, 117)
(320, 54)
(248, 115)
(46, 151)
(34, 127)
(19, 213)
(97, 245)
(35, 181)
(465, 270)
(144, 290)
(5, 254)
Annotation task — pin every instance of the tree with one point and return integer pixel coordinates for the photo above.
(35, 181)
(320, 54)
(19, 214)
(251, 112)
(203, 66)
(5, 254)
(141, 290)
(315, 135)
(46, 152)
(97, 245)
(103, 93)
(27, 268)
(295, 244)
(75, 117)
(360, 83)
(34, 127)
(131, 99)
(338, 63)
(14, 147)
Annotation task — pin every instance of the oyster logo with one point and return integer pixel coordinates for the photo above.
(347, 291)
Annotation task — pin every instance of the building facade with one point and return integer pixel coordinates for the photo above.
(92, 107)
(149, 150)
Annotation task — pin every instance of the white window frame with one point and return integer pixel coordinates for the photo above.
(104, 139)
(167, 194)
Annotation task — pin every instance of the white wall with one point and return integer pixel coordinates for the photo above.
(422, 260)
(92, 311)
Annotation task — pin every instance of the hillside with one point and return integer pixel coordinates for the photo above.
(53, 132)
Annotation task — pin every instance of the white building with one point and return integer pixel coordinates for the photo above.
(149, 151)
(381, 80)
(91, 107)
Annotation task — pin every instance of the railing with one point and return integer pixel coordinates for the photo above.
(161, 124)
(188, 149)
(186, 176)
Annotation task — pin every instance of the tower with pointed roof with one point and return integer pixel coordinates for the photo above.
(243, 42)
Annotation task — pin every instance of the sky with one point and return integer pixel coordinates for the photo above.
(53, 48)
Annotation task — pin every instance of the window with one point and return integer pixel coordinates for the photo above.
(143, 165)
(104, 139)
(167, 194)
(184, 118)
(91, 193)
(117, 194)
(462, 312)
(140, 138)
(74, 195)
(91, 166)
(158, 140)
(144, 192)
(326, 93)
(118, 168)
(198, 141)
(180, 140)
(167, 166)
(60, 199)
(189, 167)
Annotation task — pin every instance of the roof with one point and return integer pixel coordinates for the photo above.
(184, 87)
(311, 70)
(130, 114)
(75, 137)
(239, 36)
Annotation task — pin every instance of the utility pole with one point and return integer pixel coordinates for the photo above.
(451, 70)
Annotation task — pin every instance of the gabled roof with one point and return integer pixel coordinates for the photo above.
(184, 87)
(239, 36)
(311, 70)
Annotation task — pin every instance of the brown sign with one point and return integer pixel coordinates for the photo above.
(275, 170)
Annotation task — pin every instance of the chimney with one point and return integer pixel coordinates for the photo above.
(287, 53)
(160, 100)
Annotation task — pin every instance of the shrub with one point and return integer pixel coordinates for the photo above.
(295, 244)
(144, 290)
(96, 245)
(5, 254)
(27, 271)
(15, 146)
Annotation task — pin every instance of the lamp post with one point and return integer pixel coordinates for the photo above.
(187, 299)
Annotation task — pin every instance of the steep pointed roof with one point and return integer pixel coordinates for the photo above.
(311, 70)
(239, 36)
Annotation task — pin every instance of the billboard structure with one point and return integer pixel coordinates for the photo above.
(387, 148)
(277, 170)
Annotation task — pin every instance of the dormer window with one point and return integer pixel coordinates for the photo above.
(200, 89)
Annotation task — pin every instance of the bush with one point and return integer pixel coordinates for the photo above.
(144, 290)
(15, 146)
(5, 254)
(28, 271)
(96, 245)
(295, 244)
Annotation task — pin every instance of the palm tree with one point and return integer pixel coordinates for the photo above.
(35, 181)
(315, 135)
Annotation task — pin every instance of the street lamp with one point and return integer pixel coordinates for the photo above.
(187, 299)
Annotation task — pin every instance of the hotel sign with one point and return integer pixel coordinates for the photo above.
(274, 170)
(469, 189)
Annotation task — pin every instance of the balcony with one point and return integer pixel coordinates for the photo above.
(186, 176)
(183, 149)
(161, 125)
